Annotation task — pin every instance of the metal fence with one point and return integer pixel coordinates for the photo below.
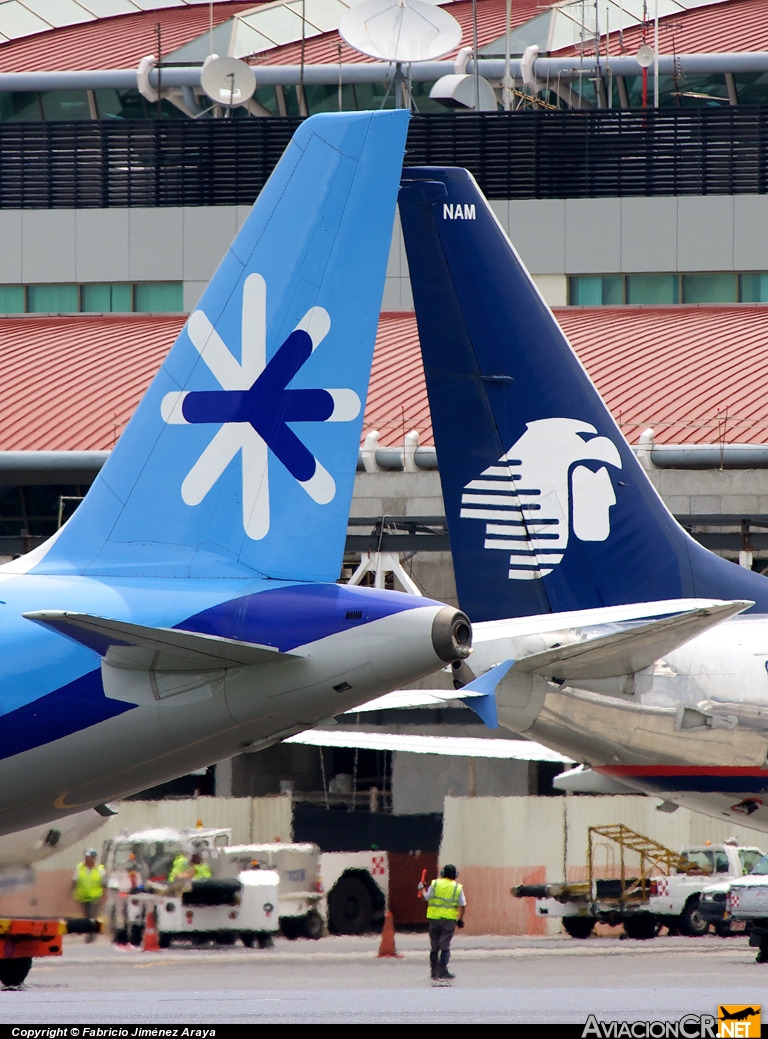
(529, 154)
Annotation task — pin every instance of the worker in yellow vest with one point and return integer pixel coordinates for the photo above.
(88, 886)
(184, 869)
(445, 913)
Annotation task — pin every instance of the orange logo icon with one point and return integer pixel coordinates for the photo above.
(738, 1022)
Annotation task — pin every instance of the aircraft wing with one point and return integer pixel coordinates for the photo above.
(626, 652)
(452, 746)
(161, 649)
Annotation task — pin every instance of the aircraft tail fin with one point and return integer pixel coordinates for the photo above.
(548, 508)
(240, 459)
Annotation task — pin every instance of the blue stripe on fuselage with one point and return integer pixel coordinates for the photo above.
(75, 706)
(298, 614)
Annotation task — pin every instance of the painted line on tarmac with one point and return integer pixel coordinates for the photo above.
(411, 956)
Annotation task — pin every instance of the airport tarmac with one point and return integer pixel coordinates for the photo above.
(340, 980)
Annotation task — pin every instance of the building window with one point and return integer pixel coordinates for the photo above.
(753, 288)
(99, 298)
(12, 299)
(653, 288)
(665, 289)
(596, 292)
(710, 288)
(53, 299)
(106, 299)
(159, 297)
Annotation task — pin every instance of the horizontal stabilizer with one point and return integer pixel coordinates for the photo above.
(484, 705)
(626, 652)
(156, 649)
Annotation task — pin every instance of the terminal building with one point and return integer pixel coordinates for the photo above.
(640, 210)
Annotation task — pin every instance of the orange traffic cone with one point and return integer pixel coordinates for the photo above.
(150, 943)
(387, 948)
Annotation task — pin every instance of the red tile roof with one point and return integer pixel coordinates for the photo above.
(112, 43)
(696, 374)
(737, 25)
(72, 383)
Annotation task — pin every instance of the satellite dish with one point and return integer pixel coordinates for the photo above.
(228, 81)
(645, 56)
(400, 30)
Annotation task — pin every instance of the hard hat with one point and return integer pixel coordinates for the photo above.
(90, 852)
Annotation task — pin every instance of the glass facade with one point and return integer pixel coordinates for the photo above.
(164, 297)
(666, 289)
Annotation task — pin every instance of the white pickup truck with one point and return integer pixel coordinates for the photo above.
(677, 902)
(747, 903)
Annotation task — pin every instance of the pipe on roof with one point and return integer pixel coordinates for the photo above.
(52, 467)
(37, 468)
(710, 456)
(383, 72)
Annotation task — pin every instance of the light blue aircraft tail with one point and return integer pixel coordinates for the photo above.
(548, 508)
(241, 457)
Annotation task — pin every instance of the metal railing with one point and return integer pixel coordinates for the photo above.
(530, 154)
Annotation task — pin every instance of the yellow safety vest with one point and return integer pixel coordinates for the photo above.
(89, 885)
(180, 865)
(444, 903)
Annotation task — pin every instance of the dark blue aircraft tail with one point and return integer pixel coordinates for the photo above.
(548, 508)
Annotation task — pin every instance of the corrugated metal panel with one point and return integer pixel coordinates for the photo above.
(482, 831)
(696, 374)
(112, 43)
(738, 25)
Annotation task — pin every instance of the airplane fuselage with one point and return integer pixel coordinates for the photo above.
(77, 731)
(692, 728)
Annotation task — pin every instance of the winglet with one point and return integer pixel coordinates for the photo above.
(484, 705)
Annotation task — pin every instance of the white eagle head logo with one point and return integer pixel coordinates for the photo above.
(535, 493)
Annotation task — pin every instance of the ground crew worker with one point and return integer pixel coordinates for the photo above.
(189, 869)
(88, 886)
(445, 912)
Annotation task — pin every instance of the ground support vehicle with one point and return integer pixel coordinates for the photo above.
(221, 911)
(22, 940)
(747, 903)
(712, 902)
(142, 861)
(356, 888)
(300, 899)
(664, 890)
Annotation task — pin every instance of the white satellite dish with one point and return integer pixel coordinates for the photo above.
(228, 81)
(645, 56)
(400, 31)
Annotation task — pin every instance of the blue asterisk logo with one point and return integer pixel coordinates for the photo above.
(254, 407)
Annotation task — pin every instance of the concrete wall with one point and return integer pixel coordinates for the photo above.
(498, 842)
(685, 491)
(555, 237)
(421, 782)
(558, 237)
